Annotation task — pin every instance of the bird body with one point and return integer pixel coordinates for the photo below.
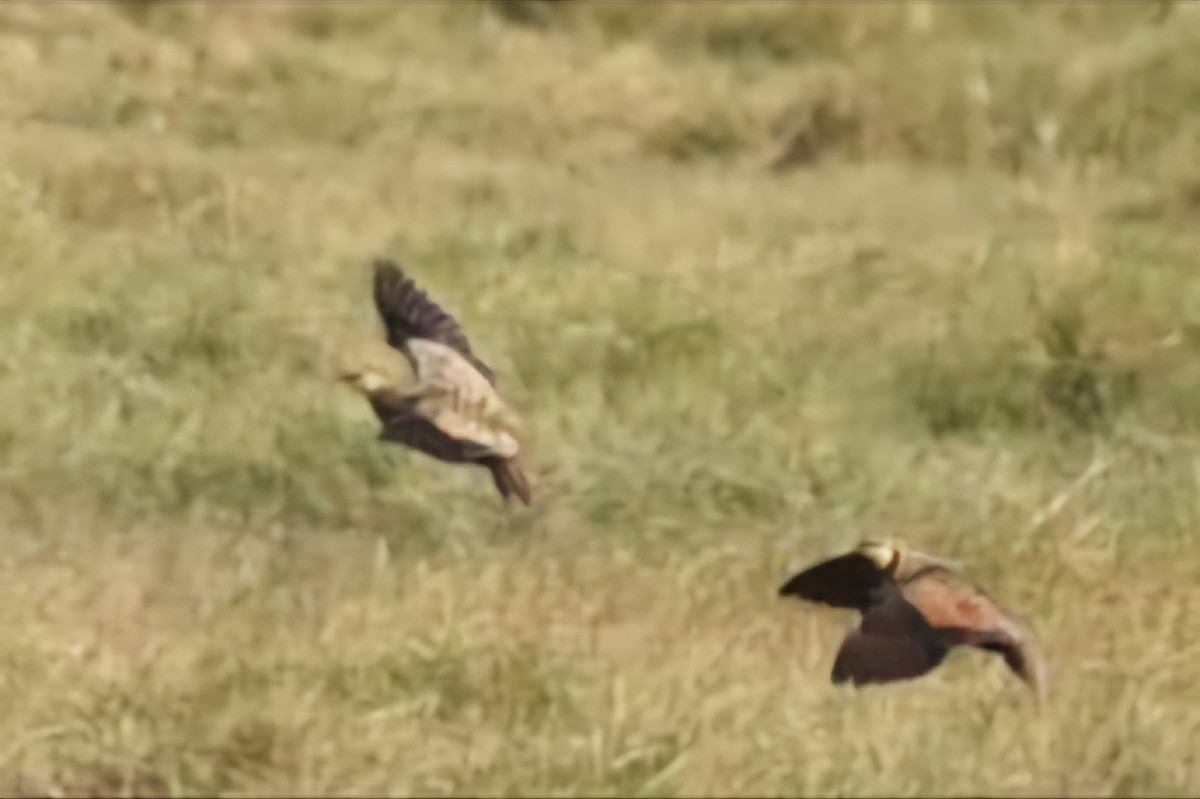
(450, 387)
(445, 403)
(915, 608)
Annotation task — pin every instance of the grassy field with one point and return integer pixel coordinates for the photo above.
(763, 279)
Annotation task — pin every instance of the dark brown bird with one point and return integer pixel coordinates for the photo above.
(915, 608)
(451, 410)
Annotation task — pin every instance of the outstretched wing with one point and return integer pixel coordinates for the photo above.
(408, 313)
(893, 642)
(847, 581)
(951, 602)
(964, 614)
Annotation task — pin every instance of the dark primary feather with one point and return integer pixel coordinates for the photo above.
(1028, 663)
(408, 312)
(847, 581)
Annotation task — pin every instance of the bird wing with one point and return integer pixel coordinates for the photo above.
(449, 437)
(423, 435)
(948, 601)
(408, 313)
(429, 423)
(965, 614)
(483, 439)
(1013, 638)
(847, 581)
(1016, 642)
(446, 381)
(893, 642)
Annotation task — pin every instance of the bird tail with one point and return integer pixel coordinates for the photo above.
(509, 478)
(1027, 659)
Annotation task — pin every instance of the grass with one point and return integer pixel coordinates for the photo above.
(764, 279)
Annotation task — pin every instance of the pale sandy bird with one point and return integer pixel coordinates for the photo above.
(915, 608)
(443, 401)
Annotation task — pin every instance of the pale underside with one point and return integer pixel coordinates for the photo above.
(459, 400)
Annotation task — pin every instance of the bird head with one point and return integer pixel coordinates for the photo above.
(884, 554)
(370, 365)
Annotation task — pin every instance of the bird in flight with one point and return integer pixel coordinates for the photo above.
(443, 402)
(915, 608)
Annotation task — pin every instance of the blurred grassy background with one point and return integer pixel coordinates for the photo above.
(764, 279)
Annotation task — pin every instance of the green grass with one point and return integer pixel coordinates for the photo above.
(763, 279)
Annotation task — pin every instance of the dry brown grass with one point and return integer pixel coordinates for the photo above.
(966, 318)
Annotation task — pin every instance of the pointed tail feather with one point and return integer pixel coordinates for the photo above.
(509, 478)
